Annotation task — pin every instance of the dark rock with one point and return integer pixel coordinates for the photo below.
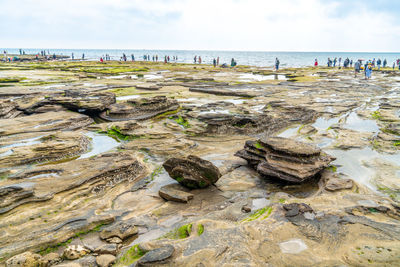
(87, 261)
(156, 256)
(246, 208)
(175, 192)
(192, 172)
(139, 109)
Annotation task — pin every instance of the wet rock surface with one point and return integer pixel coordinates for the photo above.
(68, 182)
(192, 172)
(285, 159)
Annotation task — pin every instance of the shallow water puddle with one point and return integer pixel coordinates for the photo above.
(100, 144)
(323, 123)
(289, 132)
(293, 246)
(44, 175)
(259, 203)
(127, 97)
(351, 162)
(258, 77)
(356, 123)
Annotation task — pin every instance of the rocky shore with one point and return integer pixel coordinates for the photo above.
(152, 164)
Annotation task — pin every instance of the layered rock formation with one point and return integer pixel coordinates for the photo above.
(285, 158)
(142, 109)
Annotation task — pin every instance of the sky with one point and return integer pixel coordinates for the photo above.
(239, 25)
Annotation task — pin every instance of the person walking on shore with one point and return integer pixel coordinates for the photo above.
(217, 61)
(72, 56)
(316, 63)
(83, 56)
(334, 62)
(195, 59)
(384, 63)
(277, 64)
(199, 59)
(214, 62)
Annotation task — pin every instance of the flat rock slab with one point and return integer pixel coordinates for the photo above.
(121, 230)
(175, 192)
(50, 121)
(85, 101)
(290, 146)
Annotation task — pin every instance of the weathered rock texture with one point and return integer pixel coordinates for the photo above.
(285, 158)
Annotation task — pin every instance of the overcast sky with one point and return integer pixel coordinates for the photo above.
(255, 25)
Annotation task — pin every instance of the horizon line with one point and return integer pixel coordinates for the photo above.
(203, 50)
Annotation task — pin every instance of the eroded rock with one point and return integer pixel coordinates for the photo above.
(284, 158)
(74, 252)
(139, 109)
(192, 171)
(121, 230)
(158, 255)
(26, 259)
(105, 260)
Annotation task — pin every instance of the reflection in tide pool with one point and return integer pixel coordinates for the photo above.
(356, 123)
(100, 144)
(351, 163)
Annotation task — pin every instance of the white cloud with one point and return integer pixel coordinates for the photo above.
(285, 25)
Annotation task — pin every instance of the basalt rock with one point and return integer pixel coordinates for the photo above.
(139, 109)
(285, 158)
(192, 172)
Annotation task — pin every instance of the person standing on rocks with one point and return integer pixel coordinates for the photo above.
(83, 56)
(72, 56)
(316, 63)
(133, 57)
(384, 63)
(379, 62)
(368, 71)
(199, 59)
(217, 61)
(214, 62)
(357, 67)
(277, 64)
(195, 59)
(334, 62)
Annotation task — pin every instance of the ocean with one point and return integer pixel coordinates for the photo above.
(261, 59)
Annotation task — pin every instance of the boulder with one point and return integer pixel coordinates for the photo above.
(139, 109)
(175, 192)
(192, 171)
(335, 184)
(105, 260)
(51, 259)
(74, 252)
(158, 255)
(285, 158)
(26, 259)
(121, 230)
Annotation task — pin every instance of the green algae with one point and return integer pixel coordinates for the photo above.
(130, 256)
(181, 121)
(258, 213)
(200, 229)
(115, 132)
(258, 145)
(11, 80)
(376, 115)
(180, 233)
(124, 91)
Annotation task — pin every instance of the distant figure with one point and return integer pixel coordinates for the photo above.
(316, 63)
(157, 58)
(217, 61)
(83, 56)
(384, 63)
(233, 62)
(133, 57)
(329, 62)
(195, 59)
(394, 65)
(72, 56)
(357, 68)
(379, 62)
(334, 62)
(340, 60)
(368, 71)
(101, 60)
(214, 62)
(54, 56)
(168, 58)
(20, 51)
(351, 63)
(277, 64)
(199, 59)
(124, 57)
